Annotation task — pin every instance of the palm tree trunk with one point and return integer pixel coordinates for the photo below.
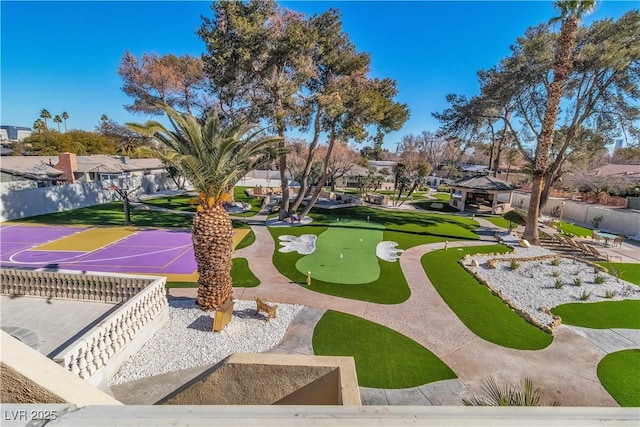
(531, 227)
(212, 239)
(562, 66)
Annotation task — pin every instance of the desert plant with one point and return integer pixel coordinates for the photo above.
(508, 395)
(609, 294)
(585, 295)
(558, 284)
(598, 279)
(514, 264)
(555, 262)
(616, 273)
(555, 273)
(577, 281)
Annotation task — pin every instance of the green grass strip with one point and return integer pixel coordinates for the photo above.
(176, 203)
(619, 373)
(242, 275)
(498, 221)
(112, 214)
(483, 313)
(173, 284)
(576, 230)
(629, 272)
(384, 358)
(601, 315)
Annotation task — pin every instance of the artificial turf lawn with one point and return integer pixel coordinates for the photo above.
(384, 358)
(242, 275)
(112, 214)
(345, 253)
(408, 229)
(628, 272)
(498, 221)
(619, 373)
(483, 313)
(576, 230)
(184, 202)
(601, 315)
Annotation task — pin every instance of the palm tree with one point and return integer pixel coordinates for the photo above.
(45, 114)
(39, 125)
(213, 158)
(57, 119)
(65, 116)
(571, 12)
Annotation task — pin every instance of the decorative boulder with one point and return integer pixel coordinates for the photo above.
(474, 263)
(524, 243)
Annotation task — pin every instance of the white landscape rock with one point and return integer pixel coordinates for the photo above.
(186, 340)
(304, 244)
(531, 286)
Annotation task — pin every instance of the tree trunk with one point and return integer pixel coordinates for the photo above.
(284, 184)
(127, 211)
(304, 180)
(323, 179)
(531, 227)
(562, 66)
(212, 241)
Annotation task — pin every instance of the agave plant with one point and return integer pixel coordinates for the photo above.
(508, 395)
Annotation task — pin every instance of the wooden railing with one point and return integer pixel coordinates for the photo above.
(141, 300)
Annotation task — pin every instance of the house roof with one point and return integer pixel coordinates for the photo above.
(94, 163)
(630, 171)
(30, 166)
(483, 182)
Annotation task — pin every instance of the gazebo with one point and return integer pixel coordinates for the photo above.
(481, 194)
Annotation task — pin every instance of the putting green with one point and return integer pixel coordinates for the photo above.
(345, 253)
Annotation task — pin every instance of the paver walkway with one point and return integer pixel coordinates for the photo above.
(565, 371)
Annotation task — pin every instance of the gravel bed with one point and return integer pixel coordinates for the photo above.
(186, 340)
(532, 285)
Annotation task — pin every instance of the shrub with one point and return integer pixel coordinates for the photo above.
(514, 264)
(442, 188)
(577, 281)
(596, 221)
(558, 284)
(509, 395)
(555, 262)
(555, 273)
(609, 294)
(515, 217)
(585, 295)
(598, 279)
(616, 273)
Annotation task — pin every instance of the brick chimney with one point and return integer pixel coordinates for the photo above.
(67, 163)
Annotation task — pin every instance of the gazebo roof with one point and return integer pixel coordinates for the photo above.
(483, 183)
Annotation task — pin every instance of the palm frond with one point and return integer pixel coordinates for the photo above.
(508, 395)
(212, 157)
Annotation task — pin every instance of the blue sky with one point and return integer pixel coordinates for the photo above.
(64, 56)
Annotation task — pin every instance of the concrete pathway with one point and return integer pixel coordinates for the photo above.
(565, 371)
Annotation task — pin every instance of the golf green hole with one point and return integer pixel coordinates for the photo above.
(345, 253)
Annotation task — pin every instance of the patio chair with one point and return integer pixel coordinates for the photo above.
(583, 248)
(618, 240)
(599, 255)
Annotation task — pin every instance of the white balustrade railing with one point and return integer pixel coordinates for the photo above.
(105, 287)
(142, 299)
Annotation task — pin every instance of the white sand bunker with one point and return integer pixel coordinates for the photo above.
(388, 251)
(304, 244)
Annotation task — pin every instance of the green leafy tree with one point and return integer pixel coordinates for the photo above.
(213, 158)
(258, 57)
